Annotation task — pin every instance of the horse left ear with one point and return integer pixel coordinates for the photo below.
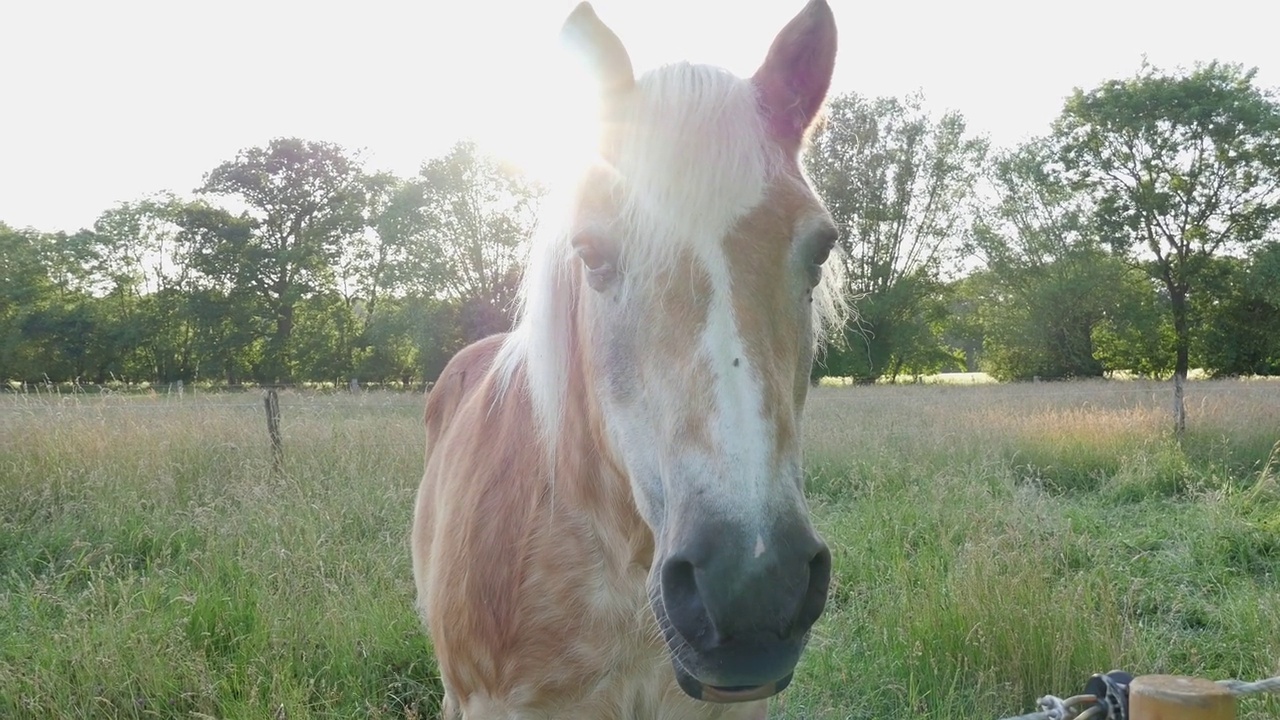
(796, 74)
(600, 48)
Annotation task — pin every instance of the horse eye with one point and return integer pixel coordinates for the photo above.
(593, 258)
(599, 261)
(815, 275)
(823, 244)
(826, 243)
(821, 256)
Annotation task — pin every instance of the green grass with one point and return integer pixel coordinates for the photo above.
(992, 543)
(151, 566)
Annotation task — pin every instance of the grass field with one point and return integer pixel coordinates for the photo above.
(992, 543)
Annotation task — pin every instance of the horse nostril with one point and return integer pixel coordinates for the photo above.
(731, 598)
(815, 597)
(685, 609)
(678, 583)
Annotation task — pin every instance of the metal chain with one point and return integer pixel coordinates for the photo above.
(1056, 708)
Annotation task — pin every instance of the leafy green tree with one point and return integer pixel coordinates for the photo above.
(47, 315)
(227, 339)
(380, 272)
(1240, 319)
(60, 338)
(436, 331)
(1049, 282)
(24, 285)
(304, 199)
(1183, 167)
(137, 246)
(897, 183)
(140, 273)
(447, 245)
(226, 299)
(389, 350)
(321, 273)
(962, 329)
(1135, 333)
(327, 331)
(477, 214)
(387, 261)
(897, 332)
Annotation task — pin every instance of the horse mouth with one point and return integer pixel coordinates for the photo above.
(699, 690)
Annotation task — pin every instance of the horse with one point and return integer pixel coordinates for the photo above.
(611, 521)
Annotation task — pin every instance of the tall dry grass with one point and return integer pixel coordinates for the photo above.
(152, 566)
(991, 544)
(994, 543)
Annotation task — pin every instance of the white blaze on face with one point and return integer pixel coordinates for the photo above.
(741, 434)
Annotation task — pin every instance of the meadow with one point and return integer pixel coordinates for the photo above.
(992, 543)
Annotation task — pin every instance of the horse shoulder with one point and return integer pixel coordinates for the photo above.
(475, 521)
(461, 374)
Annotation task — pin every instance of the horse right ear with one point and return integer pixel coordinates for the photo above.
(796, 74)
(600, 49)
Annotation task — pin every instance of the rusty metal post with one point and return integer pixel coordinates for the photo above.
(1173, 697)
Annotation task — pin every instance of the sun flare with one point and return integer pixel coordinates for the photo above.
(543, 117)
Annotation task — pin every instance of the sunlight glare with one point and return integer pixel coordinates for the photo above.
(547, 117)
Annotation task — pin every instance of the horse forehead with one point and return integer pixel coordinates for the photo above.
(745, 264)
(686, 294)
(757, 246)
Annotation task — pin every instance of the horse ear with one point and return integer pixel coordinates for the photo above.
(602, 51)
(796, 74)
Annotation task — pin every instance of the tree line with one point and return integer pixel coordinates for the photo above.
(1136, 235)
(292, 264)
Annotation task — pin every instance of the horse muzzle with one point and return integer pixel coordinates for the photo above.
(736, 625)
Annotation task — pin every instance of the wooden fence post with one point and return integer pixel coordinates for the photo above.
(272, 401)
(1172, 697)
(1179, 407)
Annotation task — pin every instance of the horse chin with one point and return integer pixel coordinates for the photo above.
(730, 674)
(699, 690)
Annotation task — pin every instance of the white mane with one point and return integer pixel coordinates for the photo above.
(693, 158)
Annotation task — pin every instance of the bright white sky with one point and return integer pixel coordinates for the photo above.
(108, 102)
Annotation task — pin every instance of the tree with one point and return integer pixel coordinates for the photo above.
(25, 285)
(137, 246)
(962, 330)
(319, 272)
(226, 297)
(48, 318)
(1183, 167)
(897, 183)
(1240, 321)
(304, 199)
(389, 352)
(140, 271)
(327, 338)
(1135, 333)
(1050, 282)
(387, 262)
(476, 216)
(446, 245)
